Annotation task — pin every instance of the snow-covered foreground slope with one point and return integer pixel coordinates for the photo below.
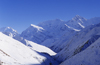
(39, 48)
(80, 42)
(90, 56)
(13, 52)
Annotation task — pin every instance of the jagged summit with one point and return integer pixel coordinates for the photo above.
(77, 17)
(77, 22)
(7, 29)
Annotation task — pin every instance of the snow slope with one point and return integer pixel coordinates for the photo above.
(80, 42)
(13, 52)
(32, 45)
(90, 56)
(39, 48)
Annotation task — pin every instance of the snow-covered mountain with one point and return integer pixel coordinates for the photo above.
(9, 31)
(77, 22)
(83, 45)
(34, 33)
(45, 34)
(73, 39)
(13, 52)
(65, 38)
(48, 32)
(51, 30)
(12, 33)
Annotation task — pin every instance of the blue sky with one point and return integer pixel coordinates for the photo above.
(19, 14)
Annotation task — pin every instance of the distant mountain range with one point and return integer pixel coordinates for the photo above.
(48, 32)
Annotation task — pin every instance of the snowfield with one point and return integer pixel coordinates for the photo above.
(13, 52)
(39, 48)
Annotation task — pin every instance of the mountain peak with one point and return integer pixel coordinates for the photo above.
(7, 29)
(77, 17)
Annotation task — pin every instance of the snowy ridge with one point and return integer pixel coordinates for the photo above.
(9, 31)
(33, 32)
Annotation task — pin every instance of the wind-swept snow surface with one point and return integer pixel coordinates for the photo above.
(13, 52)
